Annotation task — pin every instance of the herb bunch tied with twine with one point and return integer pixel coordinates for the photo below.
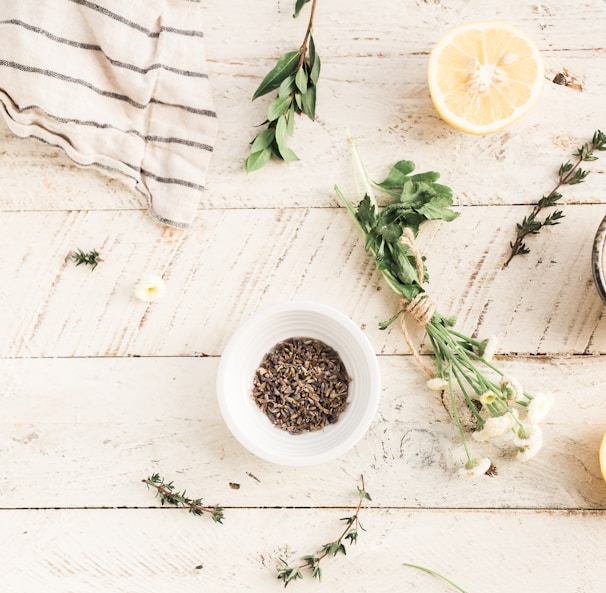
(464, 370)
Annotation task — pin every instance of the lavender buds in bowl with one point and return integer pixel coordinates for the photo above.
(298, 384)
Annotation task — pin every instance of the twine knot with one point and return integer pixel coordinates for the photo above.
(422, 307)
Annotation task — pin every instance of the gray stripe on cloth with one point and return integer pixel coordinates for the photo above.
(105, 126)
(94, 47)
(134, 25)
(110, 94)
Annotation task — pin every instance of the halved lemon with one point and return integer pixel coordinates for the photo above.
(484, 75)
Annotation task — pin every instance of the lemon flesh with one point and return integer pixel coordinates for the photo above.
(483, 76)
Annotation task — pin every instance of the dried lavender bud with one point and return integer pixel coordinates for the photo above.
(301, 385)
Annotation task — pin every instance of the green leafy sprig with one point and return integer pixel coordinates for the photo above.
(497, 404)
(295, 76)
(569, 173)
(167, 495)
(89, 258)
(311, 562)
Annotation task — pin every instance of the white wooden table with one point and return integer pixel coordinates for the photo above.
(99, 390)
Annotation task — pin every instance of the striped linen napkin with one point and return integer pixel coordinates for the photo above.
(121, 86)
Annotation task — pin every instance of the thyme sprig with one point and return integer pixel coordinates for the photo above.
(569, 173)
(288, 573)
(295, 76)
(165, 491)
(89, 258)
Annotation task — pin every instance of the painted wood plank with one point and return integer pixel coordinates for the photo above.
(391, 118)
(85, 432)
(225, 268)
(134, 550)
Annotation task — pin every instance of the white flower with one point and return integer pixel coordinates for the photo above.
(475, 467)
(495, 426)
(437, 384)
(511, 388)
(150, 289)
(526, 434)
(539, 407)
(530, 450)
(528, 440)
(488, 348)
(488, 397)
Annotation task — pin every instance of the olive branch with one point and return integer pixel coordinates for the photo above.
(295, 76)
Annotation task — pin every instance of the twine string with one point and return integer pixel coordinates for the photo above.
(422, 307)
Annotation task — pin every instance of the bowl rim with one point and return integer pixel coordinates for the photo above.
(597, 259)
(362, 344)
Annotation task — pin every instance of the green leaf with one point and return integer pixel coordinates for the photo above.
(287, 64)
(366, 214)
(314, 62)
(290, 127)
(309, 102)
(286, 86)
(298, 6)
(263, 139)
(281, 131)
(438, 209)
(397, 176)
(299, 101)
(286, 154)
(301, 80)
(257, 160)
(278, 107)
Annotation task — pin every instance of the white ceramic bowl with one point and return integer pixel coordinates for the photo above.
(243, 355)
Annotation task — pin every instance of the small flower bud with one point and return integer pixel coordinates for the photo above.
(488, 397)
(495, 426)
(488, 348)
(539, 407)
(511, 388)
(437, 384)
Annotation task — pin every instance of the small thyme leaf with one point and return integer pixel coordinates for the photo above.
(311, 562)
(90, 258)
(165, 491)
(569, 173)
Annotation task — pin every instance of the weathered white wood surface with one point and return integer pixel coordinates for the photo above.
(130, 550)
(98, 390)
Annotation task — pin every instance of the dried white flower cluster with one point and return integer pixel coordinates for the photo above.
(507, 412)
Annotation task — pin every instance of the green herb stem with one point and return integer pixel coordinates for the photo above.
(287, 573)
(568, 174)
(436, 574)
(165, 491)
